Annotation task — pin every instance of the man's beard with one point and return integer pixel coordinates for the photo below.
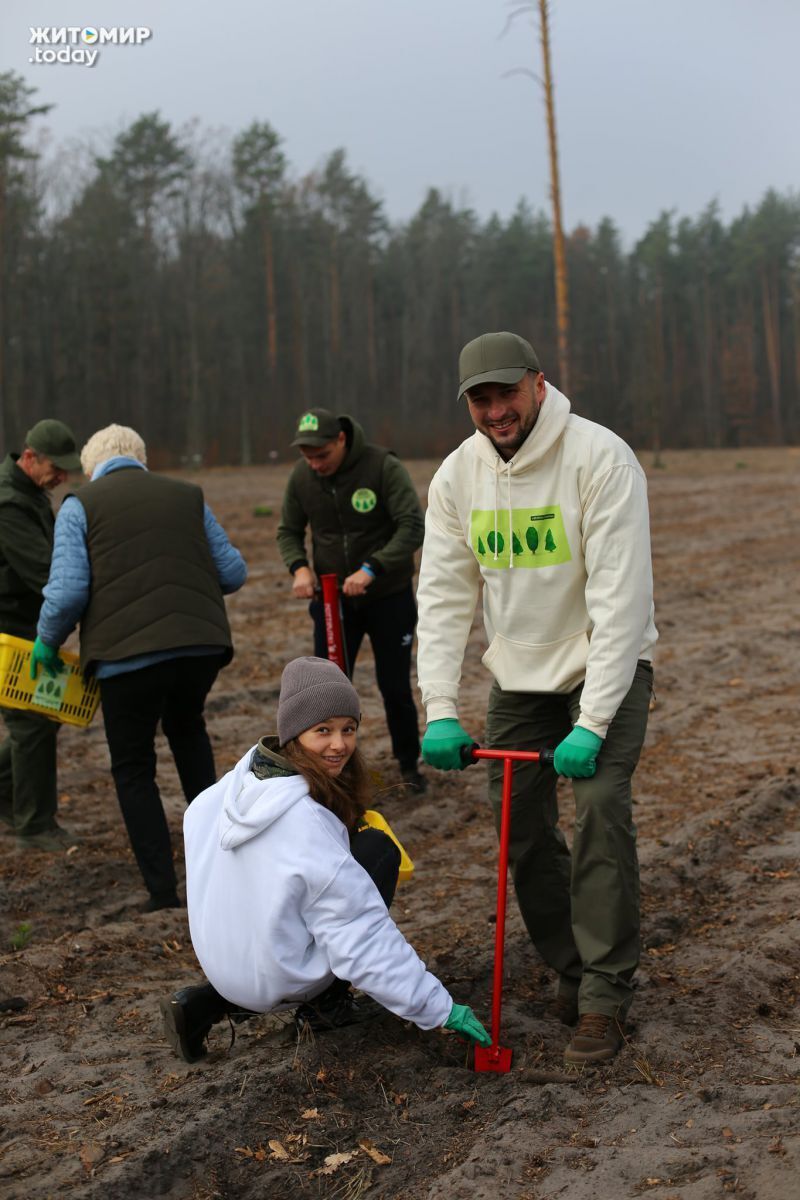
(522, 434)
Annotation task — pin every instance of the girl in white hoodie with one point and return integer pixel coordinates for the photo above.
(287, 897)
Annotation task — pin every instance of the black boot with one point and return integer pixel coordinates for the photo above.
(188, 1017)
(156, 903)
(413, 779)
(334, 1008)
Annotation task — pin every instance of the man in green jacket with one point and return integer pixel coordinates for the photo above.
(28, 797)
(366, 523)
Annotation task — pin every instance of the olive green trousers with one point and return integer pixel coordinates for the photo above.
(581, 908)
(28, 798)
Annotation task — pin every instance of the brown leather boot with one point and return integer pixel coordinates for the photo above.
(597, 1039)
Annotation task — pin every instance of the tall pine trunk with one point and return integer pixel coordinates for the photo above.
(772, 341)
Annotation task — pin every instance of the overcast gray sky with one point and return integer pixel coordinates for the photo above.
(660, 103)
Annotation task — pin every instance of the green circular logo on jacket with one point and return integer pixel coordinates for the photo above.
(363, 500)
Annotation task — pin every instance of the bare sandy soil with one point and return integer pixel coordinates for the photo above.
(703, 1102)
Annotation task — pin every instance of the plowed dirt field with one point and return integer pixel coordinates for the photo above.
(703, 1102)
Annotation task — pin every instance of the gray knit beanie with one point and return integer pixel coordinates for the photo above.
(313, 690)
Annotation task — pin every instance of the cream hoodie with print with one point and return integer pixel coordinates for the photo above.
(559, 536)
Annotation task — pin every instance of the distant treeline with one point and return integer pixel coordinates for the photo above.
(203, 294)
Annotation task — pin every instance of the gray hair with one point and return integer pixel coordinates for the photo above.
(109, 442)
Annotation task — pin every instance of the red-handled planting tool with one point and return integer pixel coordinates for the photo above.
(496, 1057)
(332, 611)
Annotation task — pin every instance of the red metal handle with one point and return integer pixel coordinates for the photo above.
(332, 611)
(497, 1057)
(473, 753)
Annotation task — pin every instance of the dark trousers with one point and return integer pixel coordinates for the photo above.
(375, 851)
(174, 693)
(581, 908)
(28, 772)
(389, 623)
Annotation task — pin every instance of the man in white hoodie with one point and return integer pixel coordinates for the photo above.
(549, 512)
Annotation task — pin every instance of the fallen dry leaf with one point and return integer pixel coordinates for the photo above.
(310, 1114)
(375, 1154)
(90, 1154)
(334, 1161)
(278, 1150)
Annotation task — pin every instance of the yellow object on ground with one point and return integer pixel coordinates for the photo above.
(376, 821)
(66, 697)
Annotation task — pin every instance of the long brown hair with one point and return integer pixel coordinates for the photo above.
(346, 795)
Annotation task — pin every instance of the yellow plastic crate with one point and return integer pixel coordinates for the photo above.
(68, 697)
(376, 820)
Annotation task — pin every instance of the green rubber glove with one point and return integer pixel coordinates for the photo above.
(46, 657)
(576, 756)
(443, 743)
(463, 1020)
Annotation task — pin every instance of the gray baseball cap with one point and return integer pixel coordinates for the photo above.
(55, 441)
(495, 358)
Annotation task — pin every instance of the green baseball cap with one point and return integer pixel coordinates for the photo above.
(55, 441)
(316, 427)
(495, 358)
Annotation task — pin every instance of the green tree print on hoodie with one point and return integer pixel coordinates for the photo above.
(500, 538)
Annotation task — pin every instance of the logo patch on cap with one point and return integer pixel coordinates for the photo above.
(363, 500)
(309, 423)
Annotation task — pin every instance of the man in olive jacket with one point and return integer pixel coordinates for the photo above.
(28, 797)
(366, 523)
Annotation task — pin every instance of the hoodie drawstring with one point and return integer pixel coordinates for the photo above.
(510, 529)
(508, 509)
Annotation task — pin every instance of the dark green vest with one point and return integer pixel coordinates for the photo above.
(27, 523)
(349, 519)
(154, 584)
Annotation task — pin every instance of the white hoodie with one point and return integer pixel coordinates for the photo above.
(569, 595)
(278, 906)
